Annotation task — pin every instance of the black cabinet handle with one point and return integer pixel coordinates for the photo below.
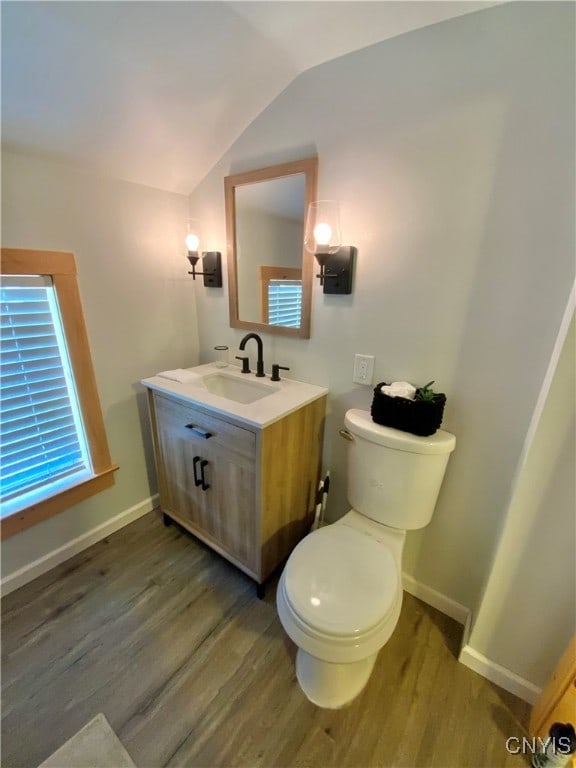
(205, 485)
(197, 480)
(199, 477)
(199, 431)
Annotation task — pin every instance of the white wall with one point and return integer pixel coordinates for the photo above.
(451, 151)
(528, 611)
(139, 308)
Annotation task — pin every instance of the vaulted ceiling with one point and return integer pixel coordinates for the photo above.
(156, 92)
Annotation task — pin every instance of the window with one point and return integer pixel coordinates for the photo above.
(53, 447)
(281, 296)
(42, 440)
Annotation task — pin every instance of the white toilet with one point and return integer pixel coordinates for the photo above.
(340, 594)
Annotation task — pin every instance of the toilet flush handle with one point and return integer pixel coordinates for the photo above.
(346, 435)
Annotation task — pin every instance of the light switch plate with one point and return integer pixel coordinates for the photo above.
(363, 369)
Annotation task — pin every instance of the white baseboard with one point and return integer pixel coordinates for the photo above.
(436, 599)
(45, 563)
(499, 675)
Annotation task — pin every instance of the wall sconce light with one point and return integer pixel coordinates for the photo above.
(211, 261)
(323, 239)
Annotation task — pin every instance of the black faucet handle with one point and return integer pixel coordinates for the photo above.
(245, 363)
(276, 371)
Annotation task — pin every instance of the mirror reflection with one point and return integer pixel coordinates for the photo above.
(269, 236)
(269, 271)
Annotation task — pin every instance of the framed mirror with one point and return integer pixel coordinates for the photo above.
(269, 271)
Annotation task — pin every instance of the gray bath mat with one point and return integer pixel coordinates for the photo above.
(94, 746)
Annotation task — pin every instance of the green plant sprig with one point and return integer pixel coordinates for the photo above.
(426, 392)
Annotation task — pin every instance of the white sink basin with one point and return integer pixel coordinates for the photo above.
(233, 388)
(245, 399)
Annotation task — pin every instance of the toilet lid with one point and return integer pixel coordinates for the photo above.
(341, 581)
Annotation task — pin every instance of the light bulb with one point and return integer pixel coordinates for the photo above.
(322, 230)
(192, 242)
(322, 233)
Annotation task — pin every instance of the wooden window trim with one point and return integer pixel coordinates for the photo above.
(265, 275)
(61, 267)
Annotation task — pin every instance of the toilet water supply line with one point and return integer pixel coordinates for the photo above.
(321, 501)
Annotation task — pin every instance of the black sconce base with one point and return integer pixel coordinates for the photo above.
(338, 268)
(211, 268)
(212, 264)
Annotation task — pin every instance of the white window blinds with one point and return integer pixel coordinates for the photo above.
(285, 303)
(42, 443)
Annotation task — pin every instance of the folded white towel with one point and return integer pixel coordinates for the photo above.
(399, 389)
(182, 376)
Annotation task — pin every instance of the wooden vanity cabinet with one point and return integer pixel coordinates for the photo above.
(248, 493)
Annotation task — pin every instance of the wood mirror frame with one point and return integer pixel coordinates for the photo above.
(308, 167)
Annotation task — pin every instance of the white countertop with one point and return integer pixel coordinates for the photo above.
(288, 395)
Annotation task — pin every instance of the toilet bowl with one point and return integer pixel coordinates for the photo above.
(340, 595)
(339, 600)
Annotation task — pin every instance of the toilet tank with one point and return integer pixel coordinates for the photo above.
(394, 477)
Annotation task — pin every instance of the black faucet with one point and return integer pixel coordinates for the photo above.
(260, 361)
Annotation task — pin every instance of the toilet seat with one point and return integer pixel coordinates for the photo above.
(341, 583)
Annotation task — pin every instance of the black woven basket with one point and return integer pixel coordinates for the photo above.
(420, 417)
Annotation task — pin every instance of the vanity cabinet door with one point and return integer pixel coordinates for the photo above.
(207, 478)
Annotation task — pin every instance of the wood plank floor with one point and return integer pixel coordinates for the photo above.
(169, 641)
